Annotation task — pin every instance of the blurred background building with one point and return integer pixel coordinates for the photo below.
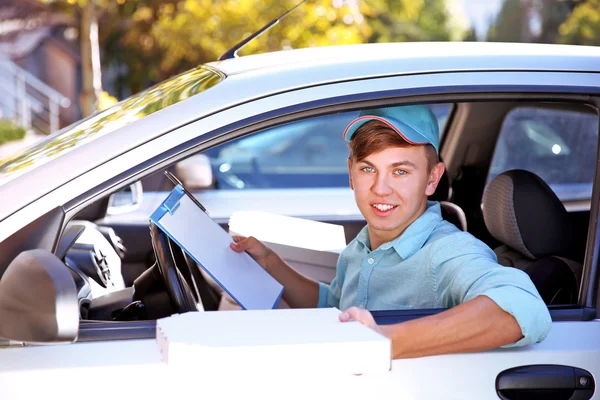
(39, 66)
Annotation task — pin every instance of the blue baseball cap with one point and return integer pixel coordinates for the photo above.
(415, 124)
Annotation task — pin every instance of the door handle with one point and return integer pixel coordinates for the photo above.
(555, 382)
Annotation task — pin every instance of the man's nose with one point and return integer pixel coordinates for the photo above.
(381, 186)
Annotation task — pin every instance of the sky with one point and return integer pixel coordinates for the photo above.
(480, 12)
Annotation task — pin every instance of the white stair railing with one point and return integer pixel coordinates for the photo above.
(27, 101)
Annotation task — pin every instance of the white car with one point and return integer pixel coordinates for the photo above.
(264, 133)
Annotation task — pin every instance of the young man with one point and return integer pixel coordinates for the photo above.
(408, 256)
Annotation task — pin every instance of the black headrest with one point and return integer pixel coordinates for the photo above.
(442, 192)
(521, 211)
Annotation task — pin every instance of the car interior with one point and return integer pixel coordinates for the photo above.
(512, 166)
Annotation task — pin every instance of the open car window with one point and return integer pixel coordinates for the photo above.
(309, 153)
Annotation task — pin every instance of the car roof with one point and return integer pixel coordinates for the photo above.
(520, 55)
(251, 77)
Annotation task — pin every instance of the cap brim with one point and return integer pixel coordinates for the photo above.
(405, 131)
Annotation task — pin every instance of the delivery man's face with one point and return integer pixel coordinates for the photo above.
(391, 187)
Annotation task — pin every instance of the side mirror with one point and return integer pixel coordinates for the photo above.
(38, 300)
(126, 200)
(195, 172)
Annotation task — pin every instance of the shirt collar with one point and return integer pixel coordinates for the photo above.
(413, 237)
(363, 238)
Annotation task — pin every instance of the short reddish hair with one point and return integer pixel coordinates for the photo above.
(375, 136)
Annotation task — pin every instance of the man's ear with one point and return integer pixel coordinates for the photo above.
(350, 172)
(434, 178)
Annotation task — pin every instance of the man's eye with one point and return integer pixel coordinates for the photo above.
(367, 169)
(400, 172)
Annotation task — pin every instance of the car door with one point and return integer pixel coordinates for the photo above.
(573, 341)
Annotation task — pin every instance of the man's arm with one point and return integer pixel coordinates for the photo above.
(476, 325)
(298, 290)
(469, 271)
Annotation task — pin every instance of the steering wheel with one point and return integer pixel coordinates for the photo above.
(186, 287)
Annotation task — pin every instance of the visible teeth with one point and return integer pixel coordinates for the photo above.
(383, 207)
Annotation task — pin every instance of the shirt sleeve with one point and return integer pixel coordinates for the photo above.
(471, 270)
(329, 295)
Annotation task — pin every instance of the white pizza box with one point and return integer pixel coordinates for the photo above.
(271, 341)
(294, 239)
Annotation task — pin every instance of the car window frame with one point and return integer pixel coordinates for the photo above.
(589, 295)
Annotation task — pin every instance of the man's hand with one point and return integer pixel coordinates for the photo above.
(362, 316)
(254, 247)
(298, 291)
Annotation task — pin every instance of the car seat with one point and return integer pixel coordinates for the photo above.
(523, 213)
(450, 211)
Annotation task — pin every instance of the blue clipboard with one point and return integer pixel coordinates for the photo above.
(207, 244)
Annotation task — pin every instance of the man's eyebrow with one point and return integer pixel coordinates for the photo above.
(404, 163)
(394, 165)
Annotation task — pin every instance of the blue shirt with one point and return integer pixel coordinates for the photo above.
(433, 264)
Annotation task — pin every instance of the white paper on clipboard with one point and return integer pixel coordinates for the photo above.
(208, 245)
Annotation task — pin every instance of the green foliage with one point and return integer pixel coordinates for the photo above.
(470, 36)
(9, 132)
(407, 20)
(196, 31)
(155, 39)
(583, 25)
(126, 40)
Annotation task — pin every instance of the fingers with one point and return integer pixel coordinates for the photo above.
(243, 243)
(359, 315)
(345, 316)
(238, 238)
(362, 316)
(238, 244)
(350, 314)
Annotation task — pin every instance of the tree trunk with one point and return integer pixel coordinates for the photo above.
(90, 60)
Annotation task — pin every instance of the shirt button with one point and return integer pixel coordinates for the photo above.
(371, 260)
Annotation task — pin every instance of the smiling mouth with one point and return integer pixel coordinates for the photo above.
(383, 207)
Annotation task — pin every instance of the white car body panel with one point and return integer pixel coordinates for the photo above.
(394, 58)
(458, 376)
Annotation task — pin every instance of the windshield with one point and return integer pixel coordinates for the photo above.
(144, 103)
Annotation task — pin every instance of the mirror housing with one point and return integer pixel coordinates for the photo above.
(38, 300)
(126, 200)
